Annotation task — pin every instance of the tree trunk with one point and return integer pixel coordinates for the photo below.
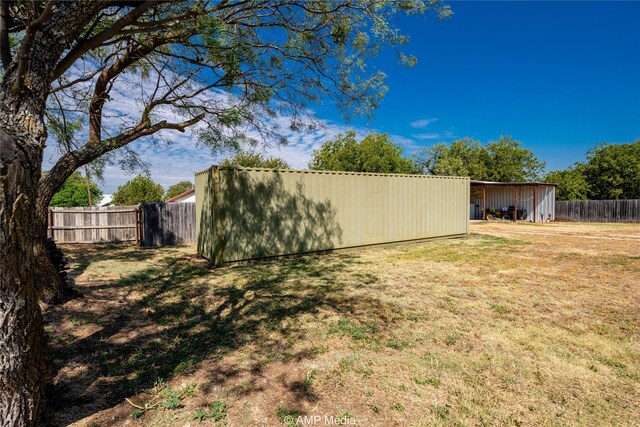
(24, 89)
(53, 288)
(22, 359)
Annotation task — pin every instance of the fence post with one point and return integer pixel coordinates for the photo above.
(138, 240)
(50, 228)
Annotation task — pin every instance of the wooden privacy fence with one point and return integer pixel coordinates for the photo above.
(598, 210)
(168, 223)
(149, 224)
(93, 225)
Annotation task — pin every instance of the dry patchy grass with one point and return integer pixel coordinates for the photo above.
(515, 324)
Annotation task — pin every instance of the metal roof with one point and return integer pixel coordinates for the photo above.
(325, 172)
(473, 181)
(186, 193)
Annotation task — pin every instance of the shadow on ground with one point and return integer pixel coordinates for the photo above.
(177, 311)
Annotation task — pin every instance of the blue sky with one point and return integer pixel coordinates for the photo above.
(558, 76)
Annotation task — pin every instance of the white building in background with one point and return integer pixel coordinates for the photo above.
(187, 196)
(105, 201)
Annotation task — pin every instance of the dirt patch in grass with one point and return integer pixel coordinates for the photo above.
(515, 324)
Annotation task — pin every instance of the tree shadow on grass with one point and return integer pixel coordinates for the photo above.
(247, 215)
(86, 254)
(159, 321)
(184, 312)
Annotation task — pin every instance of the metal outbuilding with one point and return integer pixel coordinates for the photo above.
(245, 214)
(518, 201)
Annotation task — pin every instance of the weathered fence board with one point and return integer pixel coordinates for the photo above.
(152, 224)
(93, 225)
(598, 210)
(169, 223)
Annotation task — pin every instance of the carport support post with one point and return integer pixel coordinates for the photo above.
(484, 202)
(535, 203)
(515, 203)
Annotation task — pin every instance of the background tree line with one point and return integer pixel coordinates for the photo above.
(501, 160)
(76, 190)
(609, 172)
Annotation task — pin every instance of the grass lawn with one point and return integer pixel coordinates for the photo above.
(514, 325)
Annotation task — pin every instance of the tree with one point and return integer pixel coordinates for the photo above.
(140, 189)
(74, 192)
(504, 160)
(572, 183)
(227, 68)
(177, 189)
(375, 153)
(463, 157)
(508, 161)
(613, 171)
(255, 160)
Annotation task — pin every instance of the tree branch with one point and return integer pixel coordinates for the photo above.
(25, 48)
(102, 85)
(86, 45)
(71, 83)
(51, 182)
(5, 46)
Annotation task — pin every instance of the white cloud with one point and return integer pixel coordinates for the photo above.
(444, 135)
(174, 156)
(427, 136)
(422, 123)
(179, 159)
(300, 146)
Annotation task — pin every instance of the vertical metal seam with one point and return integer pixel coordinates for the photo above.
(217, 216)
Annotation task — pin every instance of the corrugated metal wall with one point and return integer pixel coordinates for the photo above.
(546, 203)
(259, 212)
(498, 196)
(205, 190)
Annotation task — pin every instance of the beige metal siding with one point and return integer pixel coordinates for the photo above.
(204, 211)
(266, 212)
